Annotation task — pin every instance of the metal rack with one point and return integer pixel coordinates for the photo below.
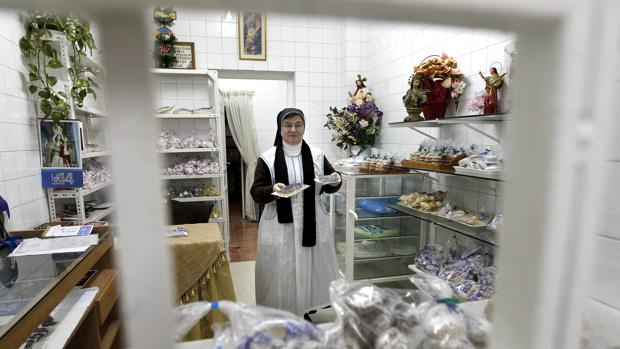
(216, 121)
(84, 114)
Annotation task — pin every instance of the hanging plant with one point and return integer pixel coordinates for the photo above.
(36, 45)
(164, 37)
(80, 38)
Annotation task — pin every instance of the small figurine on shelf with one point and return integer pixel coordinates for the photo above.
(362, 94)
(356, 126)
(164, 49)
(493, 83)
(414, 99)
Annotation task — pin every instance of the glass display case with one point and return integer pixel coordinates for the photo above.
(374, 242)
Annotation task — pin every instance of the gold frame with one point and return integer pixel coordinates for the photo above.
(262, 56)
(193, 62)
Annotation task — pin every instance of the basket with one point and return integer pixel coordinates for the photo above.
(437, 102)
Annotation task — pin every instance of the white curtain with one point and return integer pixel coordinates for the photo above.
(240, 115)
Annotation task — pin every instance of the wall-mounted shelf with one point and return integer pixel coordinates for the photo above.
(467, 119)
(480, 234)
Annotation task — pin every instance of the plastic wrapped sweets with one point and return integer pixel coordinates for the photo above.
(367, 317)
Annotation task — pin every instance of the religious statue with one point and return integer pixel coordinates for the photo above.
(493, 83)
(362, 94)
(56, 150)
(414, 99)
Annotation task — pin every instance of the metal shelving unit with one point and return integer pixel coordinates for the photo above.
(84, 114)
(216, 123)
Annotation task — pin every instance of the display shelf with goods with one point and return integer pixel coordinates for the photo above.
(187, 108)
(374, 242)
(481, 234)
(458, 205)
(93, 155)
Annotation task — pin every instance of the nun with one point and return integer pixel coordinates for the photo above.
(295, 256)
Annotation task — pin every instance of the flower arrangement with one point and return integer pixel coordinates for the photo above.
(357, 125)
(477, 103)
(438, 75)
(458, 88)
(442, 68)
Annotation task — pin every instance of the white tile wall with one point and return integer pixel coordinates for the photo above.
(387, 52)
(307, 46)
(20, 179)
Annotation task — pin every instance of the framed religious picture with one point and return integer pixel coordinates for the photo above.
(61, 163)
(184, 54)
(252, 36)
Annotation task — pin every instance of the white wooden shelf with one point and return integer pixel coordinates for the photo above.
(189, 150)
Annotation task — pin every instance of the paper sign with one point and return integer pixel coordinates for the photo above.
(36, 246)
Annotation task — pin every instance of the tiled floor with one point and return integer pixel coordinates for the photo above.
(243, 235)
(243, 280)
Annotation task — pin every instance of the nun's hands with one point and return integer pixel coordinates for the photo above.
(278, 186)
(339, 179)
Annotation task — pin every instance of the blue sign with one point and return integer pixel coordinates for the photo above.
(62, 178)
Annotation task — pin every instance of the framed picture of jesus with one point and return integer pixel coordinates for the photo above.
(252, 36)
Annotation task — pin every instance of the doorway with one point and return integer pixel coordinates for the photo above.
(271, 94)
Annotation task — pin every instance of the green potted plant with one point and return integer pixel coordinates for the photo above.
(36, 45)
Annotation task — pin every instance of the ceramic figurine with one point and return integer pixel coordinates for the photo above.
(493, 83)
(362, 94)
(414, 99)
